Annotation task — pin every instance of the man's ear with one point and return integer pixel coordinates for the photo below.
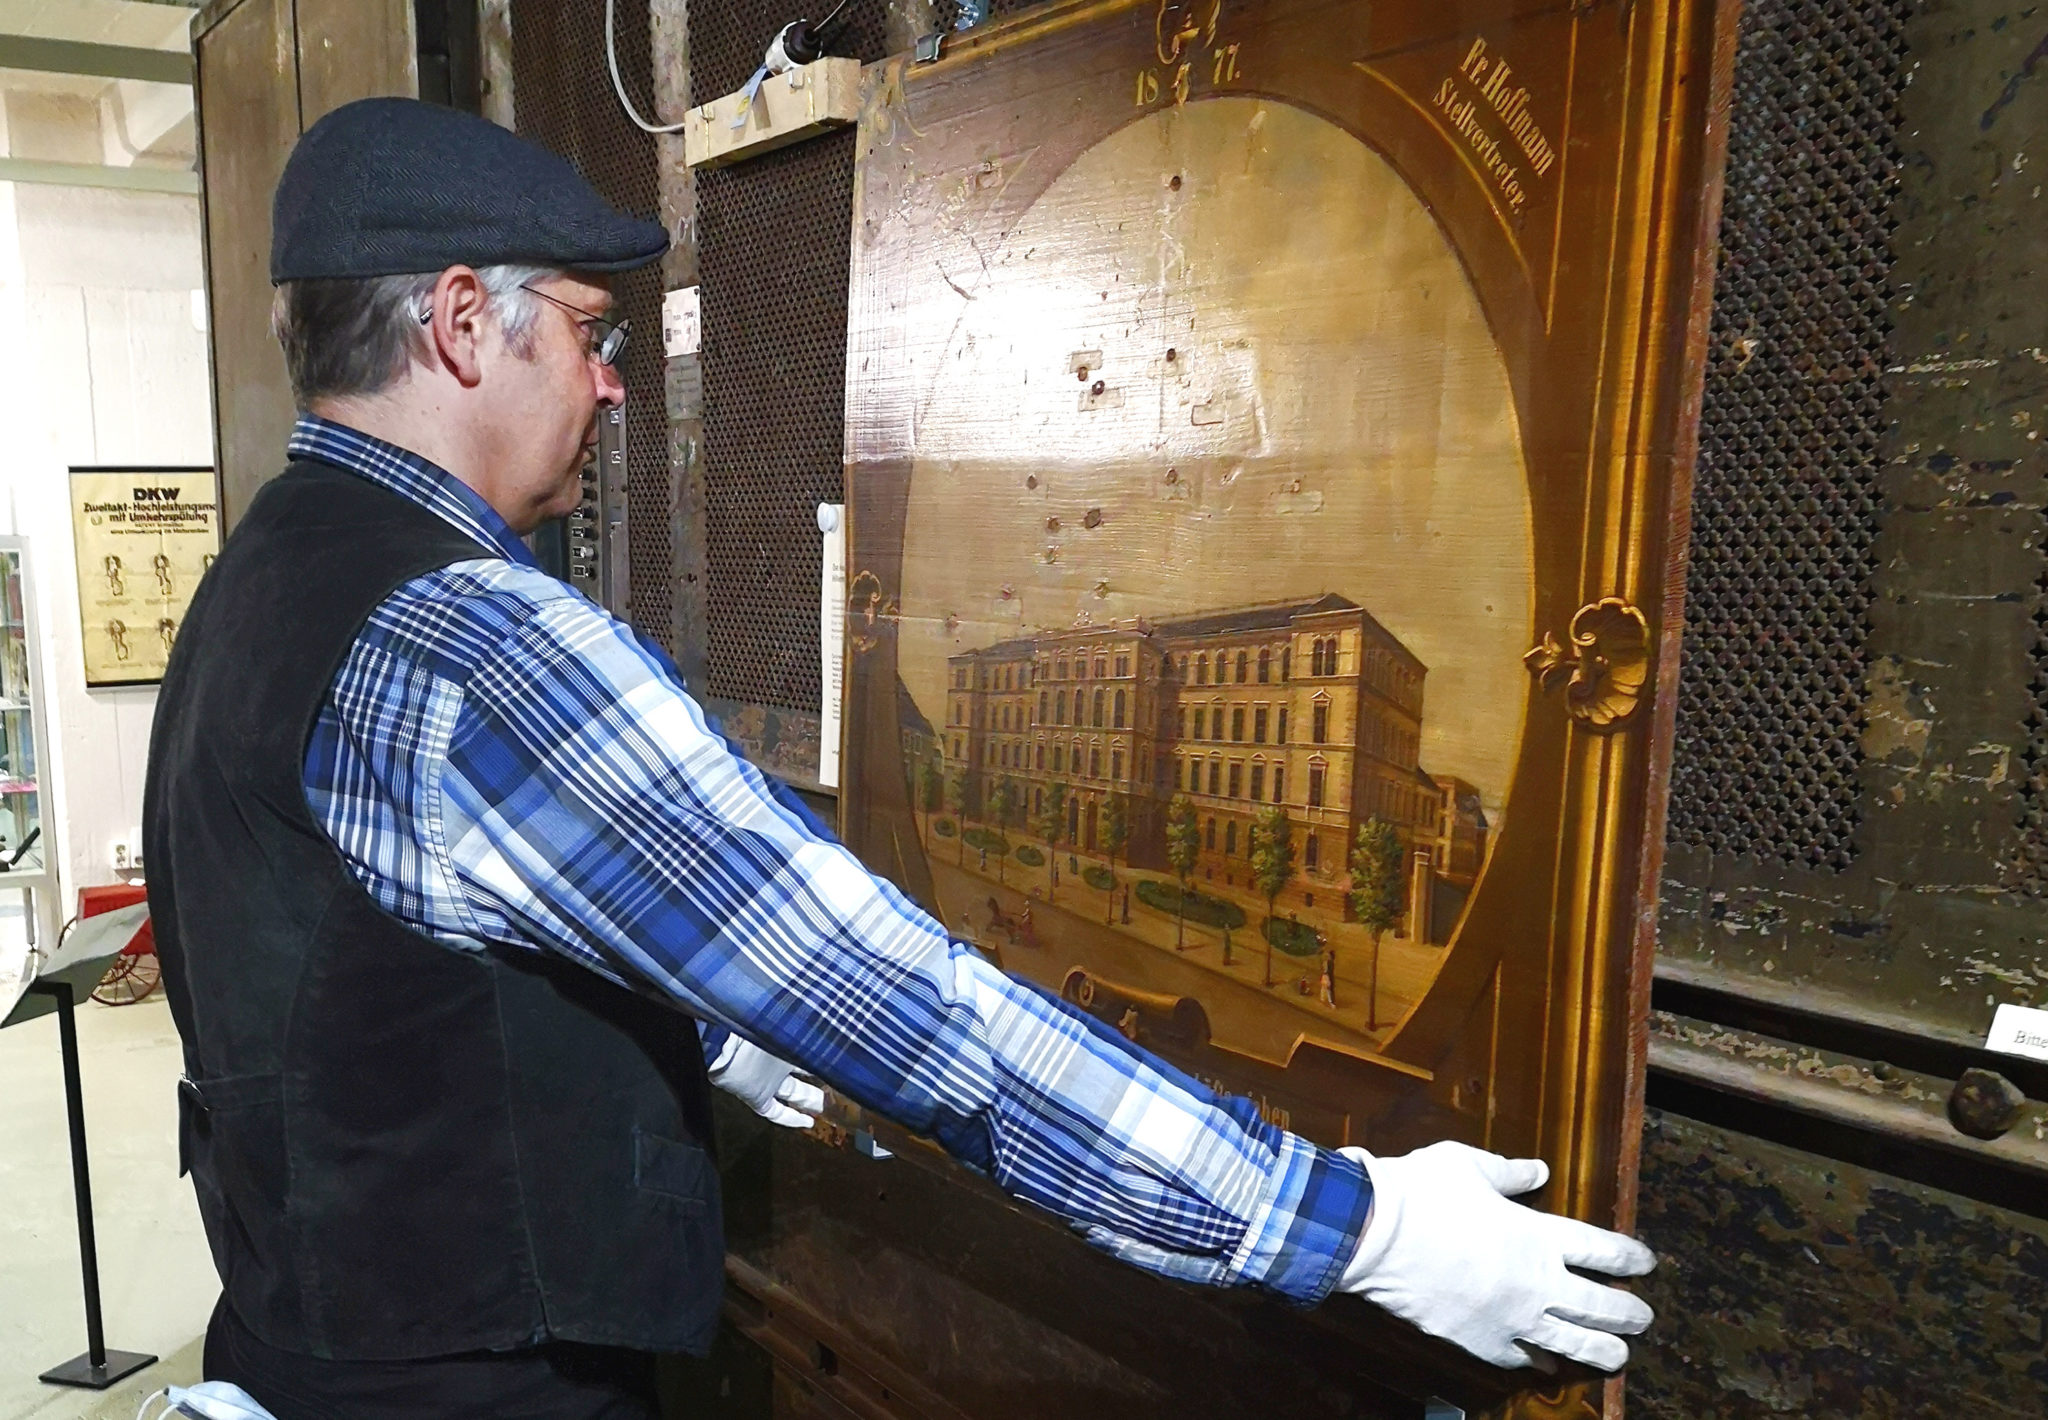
(456, 324)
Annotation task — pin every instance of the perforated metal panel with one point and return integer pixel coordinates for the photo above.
(563, 98)
(1785, 507)
(774, 233)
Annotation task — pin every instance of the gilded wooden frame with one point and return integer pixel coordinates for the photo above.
(1593, 269)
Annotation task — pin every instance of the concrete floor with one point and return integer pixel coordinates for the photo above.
(156, 1278)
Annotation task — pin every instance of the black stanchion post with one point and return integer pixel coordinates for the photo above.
(98, 1368)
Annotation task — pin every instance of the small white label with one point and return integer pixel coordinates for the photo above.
(2019, 1030)
(831, 639)
(682, 330)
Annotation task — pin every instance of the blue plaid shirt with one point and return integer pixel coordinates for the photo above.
(500, 761)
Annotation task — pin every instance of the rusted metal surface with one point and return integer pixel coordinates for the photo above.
(1938, 917)
(1790, 1286)
(1810, 1285)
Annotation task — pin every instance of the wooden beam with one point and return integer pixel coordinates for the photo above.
(99, 61)
(99, 175)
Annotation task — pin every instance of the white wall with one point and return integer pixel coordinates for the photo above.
(102, 361)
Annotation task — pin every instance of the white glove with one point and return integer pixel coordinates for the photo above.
(768, 1085)
(1446, 1250)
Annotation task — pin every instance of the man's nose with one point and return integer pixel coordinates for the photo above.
(611, 385)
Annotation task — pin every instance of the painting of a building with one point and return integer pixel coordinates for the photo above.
(1310, 704)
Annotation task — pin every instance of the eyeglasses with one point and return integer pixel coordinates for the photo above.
(609, 347)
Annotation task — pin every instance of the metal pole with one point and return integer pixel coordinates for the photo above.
(96, 1369)
(81, 1179)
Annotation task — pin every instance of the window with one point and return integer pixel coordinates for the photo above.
(1243, 660)
(1180, 775)
(1236, 780)
(1315, 786)
(1041, 756)
(1279, 785)
(1101, 667)
(1230, 838)
(1100, 698)
(1199, 713)
(1003, 755)
(1265, 664)
(1259, 725)
(1095, 763)
(1042, 701)
(1258, 782)
(1080, 670)
(1060, 669)
(1202, 669)
(1183, 670)
(1280, 734)
(960, 678)
(1123, 665)
(1118, 717)
(1286, 661)
(1003, 716)
(1209, 835)
(1038, 800)
(956, 746)
(1319, 733)
(1180, 723)
(1237, 724)
(1116, 764)
(1312, 852)
(1216, 776)
(1059, 708)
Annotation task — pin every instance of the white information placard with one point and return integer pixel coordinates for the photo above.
(831, 639)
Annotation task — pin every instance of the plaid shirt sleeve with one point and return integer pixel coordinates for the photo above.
(584, 806)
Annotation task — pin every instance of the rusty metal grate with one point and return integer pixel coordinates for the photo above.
(1785, 501)
(563, 99)
(775, 234)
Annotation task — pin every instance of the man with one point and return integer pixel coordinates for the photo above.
(444, 863)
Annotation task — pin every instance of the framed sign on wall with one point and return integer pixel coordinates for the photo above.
(144, 537)
(1269, 438)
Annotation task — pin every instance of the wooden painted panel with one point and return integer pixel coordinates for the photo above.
(266, 68)
(1214, 361)
(248, 114)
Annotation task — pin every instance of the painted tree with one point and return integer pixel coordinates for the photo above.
(1376, 894)
(1183, 848)
(956, 800)
(1009, 798)
(1049, 825)
(1272, 865)
(931, 792)
(1116, 832)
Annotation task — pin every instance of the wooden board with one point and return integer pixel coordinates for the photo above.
(1216, 362)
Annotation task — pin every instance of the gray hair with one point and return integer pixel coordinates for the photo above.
(356, 335)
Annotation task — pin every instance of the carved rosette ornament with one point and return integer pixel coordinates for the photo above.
(1604, 669)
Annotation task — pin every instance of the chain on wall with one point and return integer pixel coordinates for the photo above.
(2027, 867)
(1785, 503)
(563, 101)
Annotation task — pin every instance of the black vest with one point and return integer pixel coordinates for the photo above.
(401, 1149)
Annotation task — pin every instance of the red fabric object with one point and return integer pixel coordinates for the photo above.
(93, 901)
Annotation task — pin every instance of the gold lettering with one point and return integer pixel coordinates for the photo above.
(1474, 65)
(1148, 87)
(1226, 65)
(1180, 84)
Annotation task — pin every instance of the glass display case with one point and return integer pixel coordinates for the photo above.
(28, 887)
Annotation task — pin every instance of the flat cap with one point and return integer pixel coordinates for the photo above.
(393, 187)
